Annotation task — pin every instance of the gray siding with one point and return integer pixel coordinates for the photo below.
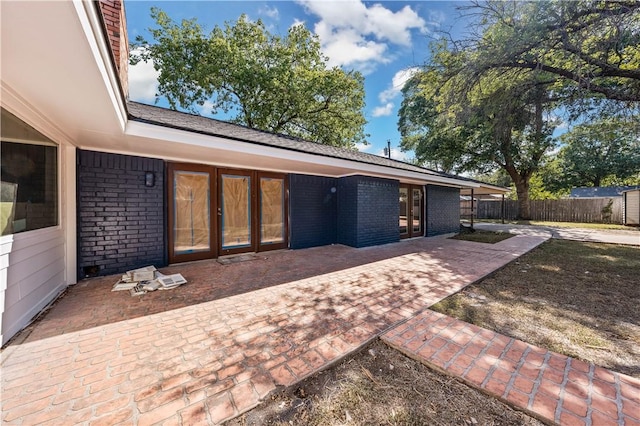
(443, 210)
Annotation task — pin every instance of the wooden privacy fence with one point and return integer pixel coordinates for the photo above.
(583, 210)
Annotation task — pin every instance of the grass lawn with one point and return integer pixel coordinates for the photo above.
(482, 236)
(564, 224)
(380, 386)
(579, 299)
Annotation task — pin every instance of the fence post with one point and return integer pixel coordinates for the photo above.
(471, 208)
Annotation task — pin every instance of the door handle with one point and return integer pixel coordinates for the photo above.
(219, 211)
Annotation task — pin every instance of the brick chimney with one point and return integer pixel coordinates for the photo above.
(115, 24)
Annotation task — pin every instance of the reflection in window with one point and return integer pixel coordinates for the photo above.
(417, 211)
(29, 178)
(404, 210)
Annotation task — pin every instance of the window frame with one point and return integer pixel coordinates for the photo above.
(47, 142)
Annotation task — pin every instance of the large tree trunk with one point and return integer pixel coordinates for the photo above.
(521, 181)
(522, 191)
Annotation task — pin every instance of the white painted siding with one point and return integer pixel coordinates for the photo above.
(32, 267)
(36, 266)
(632, 208)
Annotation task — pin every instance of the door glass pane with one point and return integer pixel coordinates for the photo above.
(236, 211)
(404, 209)
(191, 206)
(417, 211)
(271, 211)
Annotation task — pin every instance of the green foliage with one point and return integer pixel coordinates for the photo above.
(539, 191)
(490, 99)
(503, 120)
(272, 83)
(590, 49)
(606, 149)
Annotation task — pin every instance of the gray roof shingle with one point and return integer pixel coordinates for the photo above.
(204, 125)
(600, 191)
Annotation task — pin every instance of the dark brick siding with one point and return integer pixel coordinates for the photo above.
(121, 222)
(368, 211)
(312, 211)
(443, 210)
(348, 211)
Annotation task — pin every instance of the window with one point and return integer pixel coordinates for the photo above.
(29, 178)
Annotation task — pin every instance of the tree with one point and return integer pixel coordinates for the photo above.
(609, 148)
(436, 145)
(590, 48)
(501, 121)
(491, 97)
(272, 83)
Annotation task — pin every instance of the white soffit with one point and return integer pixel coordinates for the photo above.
(51, 57)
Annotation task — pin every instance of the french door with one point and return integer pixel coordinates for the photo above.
(215, 212)
(192, 223)
(411, 221)
(252, 210)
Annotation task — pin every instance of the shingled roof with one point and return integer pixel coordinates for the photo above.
(209, 126)
(600, 191)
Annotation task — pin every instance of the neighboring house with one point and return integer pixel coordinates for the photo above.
(93, 184)
(600, 191)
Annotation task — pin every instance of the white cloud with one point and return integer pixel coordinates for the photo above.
(363, 147)
(397, 83)
(349, 48)
(383, 110)
(297, 22)
(143, 81)
(396, 154)
(271, 12)
(206, 108)
(393, 91)
(359, 36)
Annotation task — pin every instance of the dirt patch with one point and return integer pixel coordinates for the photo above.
(482, 236)
(578, 299)
(379, 385)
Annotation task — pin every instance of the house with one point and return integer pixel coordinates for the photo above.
(631, 207)
(600, 191)
(93, 184)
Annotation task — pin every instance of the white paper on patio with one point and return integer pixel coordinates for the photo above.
(142, 280)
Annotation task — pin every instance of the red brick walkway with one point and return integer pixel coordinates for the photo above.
(552, 387)
(211, 361)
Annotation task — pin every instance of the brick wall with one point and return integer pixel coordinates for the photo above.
(115, 22)
(312, 210)
(443, 210)
(121, 222)
(368, 211)
(348, 211)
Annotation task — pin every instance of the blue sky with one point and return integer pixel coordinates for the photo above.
(383, 40)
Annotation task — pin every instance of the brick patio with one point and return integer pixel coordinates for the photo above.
(550, 386)
(215, 347)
